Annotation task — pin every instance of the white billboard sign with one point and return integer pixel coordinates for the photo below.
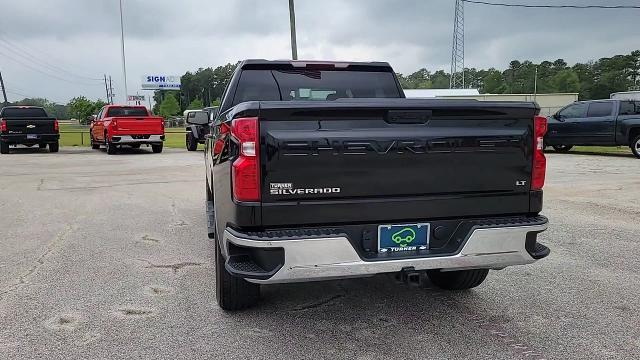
(161, 82)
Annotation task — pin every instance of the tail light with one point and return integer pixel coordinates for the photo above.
(539, 161)
(56, 126)
(245, 173)
(3, 125)
(114, 124)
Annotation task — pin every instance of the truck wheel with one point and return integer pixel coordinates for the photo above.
(562, 148)
(192, 143)
(457, 280)
(94, 145)
(156, 148)
(42, 146)
(54, 147)
(111, 149)
(233, 293)
(4, 147)
(635, 146)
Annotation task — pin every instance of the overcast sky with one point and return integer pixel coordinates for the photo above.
(80, 39)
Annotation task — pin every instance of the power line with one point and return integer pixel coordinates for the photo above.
(553, 6)
(46, 73)
(34, 97)
(42, 64)
(24, 52)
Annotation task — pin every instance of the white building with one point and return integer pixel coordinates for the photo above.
(549, 103)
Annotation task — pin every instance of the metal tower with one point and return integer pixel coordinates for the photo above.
(457, 49)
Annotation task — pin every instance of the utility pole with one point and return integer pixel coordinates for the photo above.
(124, 63)
(110, 91)
(457, 49)
(4, 91)
(292, 22)
(106, 88)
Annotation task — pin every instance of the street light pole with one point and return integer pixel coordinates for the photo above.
(292, 22)
(124, 63)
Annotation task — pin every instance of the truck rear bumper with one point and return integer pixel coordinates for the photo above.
(137, 139)
(32, 139)
(324, 258)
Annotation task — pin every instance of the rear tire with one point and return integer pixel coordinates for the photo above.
(157, 148)
(94, 144)
(233, 293)
(111, 149)
(457, 280)
(4, 147)
(562, 148)
(635, 146)
(192, 143)
(54, 147)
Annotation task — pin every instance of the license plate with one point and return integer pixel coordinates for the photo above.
(406, 237)
(32, 136)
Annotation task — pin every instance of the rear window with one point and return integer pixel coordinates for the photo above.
(127, 111)
(314, 85)
(600, 109)
(629, 108)
(24, 112)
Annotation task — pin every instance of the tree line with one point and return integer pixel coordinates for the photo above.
(591, 80)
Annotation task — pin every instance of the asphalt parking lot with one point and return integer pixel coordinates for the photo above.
(107, 257)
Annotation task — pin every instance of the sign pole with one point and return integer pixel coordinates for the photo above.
(292, 23)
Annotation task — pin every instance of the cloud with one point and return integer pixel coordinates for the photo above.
(83, 37)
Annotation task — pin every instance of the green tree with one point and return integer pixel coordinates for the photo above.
(82, 108)
(493, 82)
(566, 81)
(196, 104)
(169, 107)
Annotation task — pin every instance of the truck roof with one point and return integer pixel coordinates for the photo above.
(260, 63)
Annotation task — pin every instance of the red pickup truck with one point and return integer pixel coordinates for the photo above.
(122, 125)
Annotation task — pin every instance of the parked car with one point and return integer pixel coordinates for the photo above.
(197, 128)
(121, 125)
(28, 125)
(596, 122)
(323, 170)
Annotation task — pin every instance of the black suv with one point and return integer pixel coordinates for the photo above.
(198, 126)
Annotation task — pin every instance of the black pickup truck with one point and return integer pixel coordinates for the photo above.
(27, 125)
(596, 122)
(323, 170)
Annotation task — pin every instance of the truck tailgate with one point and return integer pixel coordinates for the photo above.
(394, 160)
(31, 125)
(139, 125)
